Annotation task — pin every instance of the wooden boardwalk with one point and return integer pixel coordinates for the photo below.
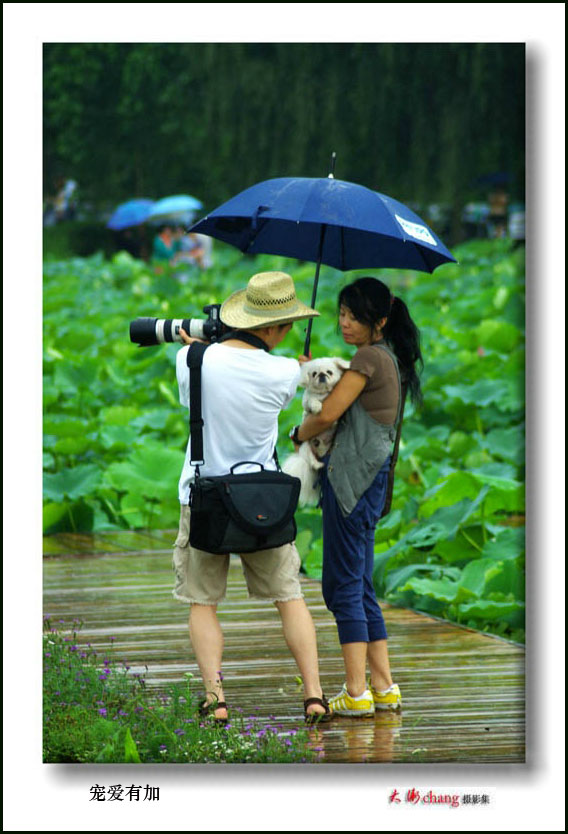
(463, 691)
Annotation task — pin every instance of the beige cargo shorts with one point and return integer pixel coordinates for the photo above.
(201, 577)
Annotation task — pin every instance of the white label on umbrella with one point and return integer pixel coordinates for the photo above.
(416, 230)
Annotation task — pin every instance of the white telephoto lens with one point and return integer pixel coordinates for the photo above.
(176, 325)
(160, 331)
(196, 328)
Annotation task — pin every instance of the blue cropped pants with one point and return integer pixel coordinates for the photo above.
(348, 561)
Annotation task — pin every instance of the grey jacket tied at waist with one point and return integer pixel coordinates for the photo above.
(360, 449)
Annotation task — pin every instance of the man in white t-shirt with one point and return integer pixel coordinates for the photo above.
(244, 388)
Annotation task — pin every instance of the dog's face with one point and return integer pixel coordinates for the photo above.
(319, 376)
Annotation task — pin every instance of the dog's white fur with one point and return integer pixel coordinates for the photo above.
(318, 377)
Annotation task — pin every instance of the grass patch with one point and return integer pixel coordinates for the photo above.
(95, 710)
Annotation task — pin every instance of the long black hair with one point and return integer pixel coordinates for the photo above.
(369, 300)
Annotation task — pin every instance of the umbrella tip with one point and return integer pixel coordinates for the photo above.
(330, 176)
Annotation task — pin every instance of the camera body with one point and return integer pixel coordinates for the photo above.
(152, 331)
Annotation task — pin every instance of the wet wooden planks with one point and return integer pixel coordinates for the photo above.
(463, 692)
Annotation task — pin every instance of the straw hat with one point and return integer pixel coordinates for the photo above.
(269, 298)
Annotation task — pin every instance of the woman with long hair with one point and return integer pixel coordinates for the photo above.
(367, 402)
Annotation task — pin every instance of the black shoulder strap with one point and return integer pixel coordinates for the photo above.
(194, 363)
(402, 389)
(394, 457)
(245, 336)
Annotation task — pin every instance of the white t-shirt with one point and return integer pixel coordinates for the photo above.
(242, 393)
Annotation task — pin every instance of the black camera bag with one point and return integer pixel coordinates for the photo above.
(236, 513)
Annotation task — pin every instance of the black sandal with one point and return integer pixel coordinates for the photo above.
(208, 711)
(317, 717)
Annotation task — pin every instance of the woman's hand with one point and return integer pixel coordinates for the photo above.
(302, 359)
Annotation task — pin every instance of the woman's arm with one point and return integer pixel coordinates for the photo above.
(343, 395)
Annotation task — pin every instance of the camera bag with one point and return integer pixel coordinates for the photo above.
(237, 512)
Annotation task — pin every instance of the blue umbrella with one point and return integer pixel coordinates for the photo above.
(329, 221)
(177, 205)
(131, 213)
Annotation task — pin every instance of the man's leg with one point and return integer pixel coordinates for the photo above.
(207, 640)
(300, 636)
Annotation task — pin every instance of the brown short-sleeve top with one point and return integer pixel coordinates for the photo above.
(380, 395)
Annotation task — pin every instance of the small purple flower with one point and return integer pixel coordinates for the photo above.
(122, 712)
(163, 747)
(112, 639)
(102, 711)
(179, 732)
(57, 693)
(102, 677)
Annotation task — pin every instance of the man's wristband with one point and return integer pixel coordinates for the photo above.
(294, 435)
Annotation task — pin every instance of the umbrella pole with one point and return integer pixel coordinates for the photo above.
(314, 291)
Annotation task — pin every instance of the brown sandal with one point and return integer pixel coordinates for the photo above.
(317, 717)
(208, 711)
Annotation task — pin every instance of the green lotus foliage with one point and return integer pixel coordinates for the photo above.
(115, 433)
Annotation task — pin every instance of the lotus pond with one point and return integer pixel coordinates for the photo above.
(115, 433)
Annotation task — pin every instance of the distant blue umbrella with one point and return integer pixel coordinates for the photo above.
(174, 207)
(131, 213)
(329, 221)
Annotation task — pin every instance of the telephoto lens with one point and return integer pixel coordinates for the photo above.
(150, 331)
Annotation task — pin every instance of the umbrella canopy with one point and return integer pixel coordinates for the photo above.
(339, 223)
(131, 213)
(329, 221)
(177, 207)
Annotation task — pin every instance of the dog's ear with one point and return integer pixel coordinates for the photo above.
(305, 369)
(342, 364)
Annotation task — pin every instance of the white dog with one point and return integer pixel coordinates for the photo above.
(318, 377)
